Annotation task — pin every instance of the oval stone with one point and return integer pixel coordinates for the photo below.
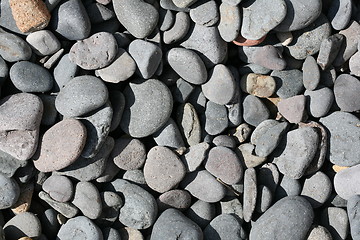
(347, 182)
(10, 192)
(87, 199)
(79, 227)
(346, 89)
(224, 226)
(258, 85)
(13, 48)
(60, 188)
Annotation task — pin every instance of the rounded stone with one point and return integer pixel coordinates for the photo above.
(258, 85)
(26, 224)
(216, 118)
(293, 108)
(10, 191)
(230, 21)
(61, 145)
(346, 90)
(288, 82)
(317, 189)
(79, 227)
(250, 193)
(224, 226)
(346, 182)
(60, 188)
(163, 170)
(319, 232)
(319, 101)
(14, 48)
(30, 77)
(81, 95)
(269, 57)
(179, 30)
(205, 13)
(336, 221)
(178, 199)
(339, 13)
(255, 110)
(311, 73)
(288, 187)
(87, 199)
(353, 209)
(148, 107)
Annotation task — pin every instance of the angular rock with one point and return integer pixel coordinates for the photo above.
(169, 136)
(194, 156)
(189, 123)
(205, 13)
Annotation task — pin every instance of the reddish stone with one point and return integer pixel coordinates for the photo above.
(241, 41)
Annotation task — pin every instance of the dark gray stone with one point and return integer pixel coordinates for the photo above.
(255, 110)
(13, 47)
(319, 101)
(288, 82)
(64, 71)
(216, 118)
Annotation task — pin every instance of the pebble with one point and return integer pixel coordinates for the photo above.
(137, 177)
(67, 209)
(81, 95)
(317, 189)
(163, 170)
(319, 101)
(224, 226)
(43, 42)
(224, 141)
(224, 164)
(195, 155)
(216, 118)
(311, 73)
(201, 213)
(117, 101)
(182, 91)
(137, 198)
(255, 27)
(189, 123)
(329, 49)
(268, 175)
(121, 69)
(60, 188)
(87, 199)
(10, 191)
(26, 224)
(164, 226)
(346, 182)
(64, 71)
(169, 136)
(202, 185)
(98, 13)
(138, 17)
(353, 64)
(97, 51)
(352, 211)
(285, 38)
(288, 82)
(301, 146)
(166, 19)
(130, 233)
(269, 57)
(69, 134)
(293, 108)
(264, 199)
(30, 77)
(179, 30)
(288, 187)
(169, 5)
(336, 221)
(49, 113)
(70, 20)
(49, 219)
(230, 21)
(250, 193)
(112, 234)
(250, 159)
(79, 227)
(319, 232)
(14, 48)
(339, 13)
(255, 110)
(258, 85)
(267, 226)
(345, 91)
(178, 199)
(204, 12)
(9, 165)
(188, 65)
(343, 138)
(128, 153)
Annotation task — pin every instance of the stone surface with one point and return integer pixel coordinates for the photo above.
(258, 85)
(345, 89)
(10, 191)
(195, 155)
(178, 199)
(87, 199)
(293, 108)
(14, 48)
(60, 188)
(288, 82)
(224, 226)
(311, 73)
(179, 30)
(319, 101)
(79, 227)
(352, 211)
(317, 189)
(43, 42)
(128, 153)
(319, 232)
(339, 13)
(189, 123)
(255, 110)
(216, 118)
(250, 193)
(205, 13)
(269, 57)
(329, 49)
(230, 21)
(169, 135)
(22, 225)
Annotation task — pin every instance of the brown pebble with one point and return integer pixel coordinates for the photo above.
(241, 41)
(258, 85)
(24, 202)
(30, 15)
(337, 168)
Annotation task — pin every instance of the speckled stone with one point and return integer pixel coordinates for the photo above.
(255, 110)
(258, 85)
(60, 188)
(289, 82)
(269, 57)
(319, 232)
(128, 153)
(169, 135)
(250, 193)
(336, 221)
(346, 183)
(43, 42)
(216, 118)
(293, 108)
(317, 189)
(329, 49)
(10, 191)
(189, 123)
(195, 155)
(346, 88)
(339, 13)
(14, 48)
(79, 227)
(179, 30)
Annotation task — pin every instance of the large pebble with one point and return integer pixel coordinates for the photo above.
(201, 213)
(148, 107)
(255, 110)
(311, 73)
(353, 209)
(64, 71)
(79, 227)
(24, 224)
(204, 12)
(14, 48)
(128, 153)
(216, 118)
(69, 134)
(258, 85)
(230, 21)
(293, 214)
(138, 17)
(178, 30)
(224, 226)
(10, 192)
(87, 199)
(336, 221)
(43, 42)
(163, 170)
(189, 123)
(288, 82)
(346, 182)
(178, 199)
(319, 101)
(317, 189)
(60, 188)
(346, 88)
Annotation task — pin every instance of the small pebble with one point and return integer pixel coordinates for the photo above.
(255, 110)
(269, 57)
(128, 153)
(169, 136)
(311, 73)
(189, 123)
(43, 42)
(87, 199)
(178, 199)
(258, 85)
(66, 209)
(224, 141)
(317, 189)
(293, 108)
(224, 226)
(319, 232)
(216, 118)
(250, 193)
(250, 159)
(339, 13)
(10, 191)
(346, 88)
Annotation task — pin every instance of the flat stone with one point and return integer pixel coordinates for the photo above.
(311, 73)
(336, 221)
(269, 57)
(43, 42)
(250, 193)
(258, 85)
(329, 49)
(79, 227)
(10, 191)
(230, 21)
(178, 199)
(224, 226)
(346, 88)
(352, 211)
(204, 12)
(87, 199)
(288, 82)
(60, 188)
(169, 135)
(189, 123)
(293, 108)
(179, 30)
(339, 13)
(65, 208)
(346, 182)
(216, 118)
(26, 224)
(14, 48)
(195, 155)
(319, 101)
(317, 189)
(255, 110)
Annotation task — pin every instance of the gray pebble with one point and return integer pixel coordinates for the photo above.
(109, 173)
(30, 77)
(4, 71)
(205, 12)
(166, 19)
(9, 164)
(235, 116)
(250, 193)
(87, 199)
(293, 108)
(319, 232)
(65, 208)
(346, 182)
(43, 42)
(269, 57)
(267, 226)
(60, 188)
(354, 64)
(183, 3)
(336, 221)
(339, 13)
(250, 159)
(25, 224)
(319, 101)
(253, 68)
(138, 17)
(189, 123)
(49, 219)
(289, 82)
(10, 191)
(233, 207)
(117, 101)
(81, 95)
(216, 118)
(188, 65)
(337, 201)
(164, 227)
(264, 199)
(224, 226)
(195, 155)
(137, 177)
(79, 227)
(14, 48)
(354, 220)
(169, 5)
(178, 199)
(50, 113)
(182, 91)
(317, 189)
(255, 110)
(343, 138)
(111, 234)
(64, 71)
(311, 73)
(329, 49)
(328, 77)
(268, 175)
(201, 213)
(169, 135)
(224, 141)
(98, 13)
(128, 153)
(346, 88)
(178, 30)
(70, 20)
(230, 21)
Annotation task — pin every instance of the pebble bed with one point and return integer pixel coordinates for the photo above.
(179, 119)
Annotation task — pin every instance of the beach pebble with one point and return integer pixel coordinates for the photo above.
(9, 165)
(178, 30)
(264, 199)
(230, 21)
(64, 71)
(49, 114)
(189, 123)
(137, 177)
(224, 141)
(166, 19)
(224, 226)
(128, 153)
(255, 110)
(163, 170)
(346, 182)
(10, 191)
(250, 158)
(14, 48)
(311, 73)
(293, 108)
(81, 95)
(269, 57)
(319, 232)
(317, 189)
(169, 135)
(319, 101)
(98, 13)
(258, 85)
(112, 234)
(354, 64)
(352, 211)
(182, 91)
(329, 49)
(233, 207)
(30, 77)
(288, 82)
(288, 187)
(269, 176)
(339, 13)
(43, 42)
(26, 224)
(188, 65)
(49, 219)
(250, 193)
(204, 12)
(79, 227)
(195, 155)
(87, 199)
(60, 188)
(345, 91)
(178, 199)
(67, 209)
(216, 118)
(97, 51)
(201, 213)
(277, 215)
(336, 221)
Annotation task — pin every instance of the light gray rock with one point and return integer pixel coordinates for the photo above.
(60, 188)
(189, 123)
(79, 227)
(169, 135)
(87, 199)
(201, 213)
(230, 21)
(204, 12)
(178, 30)
(216, 118)
(346, 183)
(224, 226)
(336, 221)
(10, 192)
(329, 49)
(250, 193)
(317, 189)
(319, 232)
(353, 215)
(43, 42)
(339, 13)
(195, 155)
(14, 48)
(27, 224)
(311, 73)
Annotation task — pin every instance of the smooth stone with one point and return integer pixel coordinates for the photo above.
(64, 71)
(117, 101)
(293, 108)
(311, 73)
(25, 224)
(255, 25)
(67, 209)
(269, 57)
(98, 13)
(183, 3)
(9, 165)
(87, 169)
(179, 30)
(97, 51)
(207, 42)
(264, 199)
(233, 207)
(220, 88)
(79, 227)
(138, 17)
(182, 91)
(109, 173)
(267, 136)
(300, 149)
(224, 226)
(202, 185)
(258, 85)
(246, 151)
(285, 38)
(230, 22)
(178, 199)
(354, 64)
(188, 65)
(49, 219)
(201, 213)
(250, 193)
(164, 226)
(255, 111)
(140, 208)
(4, 71)
(169, 135)
(339, 13)
(268, 175)
(288, 82)
(60, 188)
(10, 191)
(288, 187)
(128, 153)
(189, 123)
(30, 77)
(121, 69)
(195, 155)
(163, 170)
(205, 12)
(319, 232)
(336, 221)
(346, 182)
(43, 42)
(169, 5)
(253, 68)
(49, 114)
(69, 134)
(346, 88)
(87, 199)
(216, 118)
(224, 141)
(354, 220)
(70, 20)
(130, 233)
(166, 19)
(13, 47)
(307, 41)
(317, 189)
(299, 15)
(224, 164)
(319, 101)
(343, 138)
(7, 19)
(137, 177)
(329, 49)
(111, 234)
(81, 95)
